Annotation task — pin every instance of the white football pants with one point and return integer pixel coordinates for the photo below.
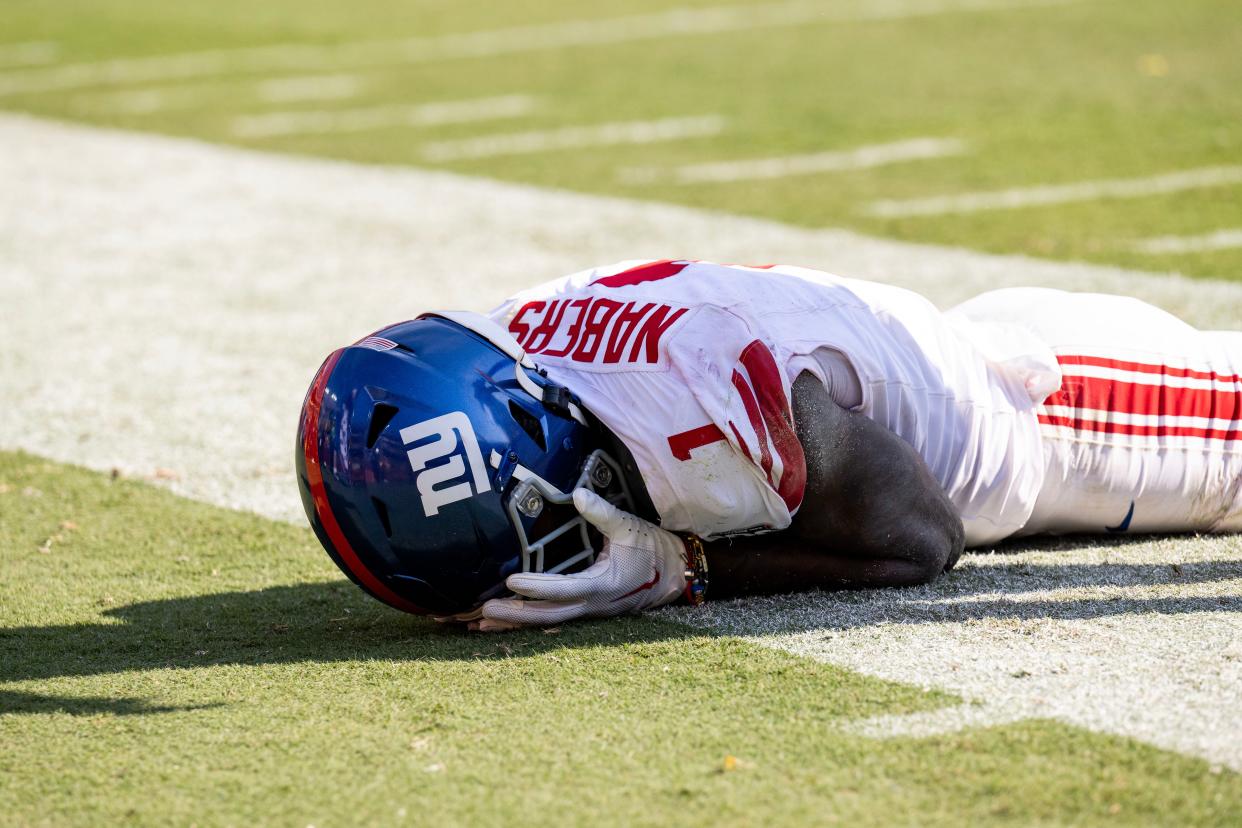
(1145, 432)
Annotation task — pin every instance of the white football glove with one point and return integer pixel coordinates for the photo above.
(640, 567)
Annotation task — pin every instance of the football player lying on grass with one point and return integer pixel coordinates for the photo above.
(637, 434)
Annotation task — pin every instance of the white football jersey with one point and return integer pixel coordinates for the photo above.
(690, 364)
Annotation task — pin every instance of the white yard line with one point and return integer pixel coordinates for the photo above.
(673, 23)
(33, 53)
(138, 101)
(1043, 196)
(575, 137)
(1142, 640)
(310, 88)
(271, 124)
(754, 169)
(165, 97)
(1162, 245)
(175, 297)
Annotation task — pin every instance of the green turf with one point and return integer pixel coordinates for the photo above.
(162, 661)
(1041, 95)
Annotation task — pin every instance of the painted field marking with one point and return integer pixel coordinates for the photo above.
(1112, 639)
(1219, 240)
(490, 43)
(754, 169)
(378, 117)
(1042, 196)
(291, 89)
(136, 101)
(575, 137)
(28, 54)
(309, 88)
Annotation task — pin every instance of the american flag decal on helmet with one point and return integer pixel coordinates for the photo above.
(376, 343)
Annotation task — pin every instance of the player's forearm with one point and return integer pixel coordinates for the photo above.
(784, 562)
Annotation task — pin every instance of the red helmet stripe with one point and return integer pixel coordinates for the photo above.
(314, 476)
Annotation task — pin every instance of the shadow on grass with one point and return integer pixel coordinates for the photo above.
(12, 701)
(323, 622)
(327, 622)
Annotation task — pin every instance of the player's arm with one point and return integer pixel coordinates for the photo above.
(872, 514)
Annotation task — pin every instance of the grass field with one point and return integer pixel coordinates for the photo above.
(165, 662)
(997, 95)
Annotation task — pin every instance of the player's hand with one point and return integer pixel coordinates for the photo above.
(640, 567)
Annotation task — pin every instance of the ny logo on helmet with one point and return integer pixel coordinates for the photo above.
(454, 437)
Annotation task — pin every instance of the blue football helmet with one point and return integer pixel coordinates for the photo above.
(435, 459)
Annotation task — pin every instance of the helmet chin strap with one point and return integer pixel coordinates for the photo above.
(555, 397)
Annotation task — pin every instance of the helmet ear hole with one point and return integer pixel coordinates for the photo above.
(381, 416)
(528, 423)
